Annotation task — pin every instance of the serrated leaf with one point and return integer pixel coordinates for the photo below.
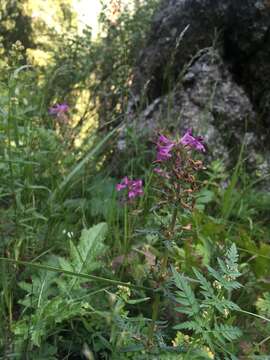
(232, 256)
(204, 284)
(228, 332)
(84, 256)
(214, 273)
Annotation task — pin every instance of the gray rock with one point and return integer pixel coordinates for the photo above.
(240, 30)
(209, 101)
(206, 66)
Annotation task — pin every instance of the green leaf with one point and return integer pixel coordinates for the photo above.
(227, 331)
(204, 284)
(188, 325)
(137, 301)
(263, 304)
(186, 295)
(85, 256)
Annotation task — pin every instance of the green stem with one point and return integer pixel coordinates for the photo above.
(164, 264)
(155, 311)
(9, 150)
(171, 233)
(72, 273)
(126, 230)
(174, 217)
(252, 314)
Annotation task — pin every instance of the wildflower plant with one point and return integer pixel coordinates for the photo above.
(130, 190)
(176, 170)
(176, 185)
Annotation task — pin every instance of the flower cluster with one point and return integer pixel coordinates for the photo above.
(134, 187)
(165, 145)
(166, 148)
(58, 109)
(178, 168)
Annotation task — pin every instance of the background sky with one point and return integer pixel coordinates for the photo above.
(88, 11)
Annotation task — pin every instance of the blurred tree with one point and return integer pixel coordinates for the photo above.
(15, 24)
(35, 23)
(124, 25)
(71, 65)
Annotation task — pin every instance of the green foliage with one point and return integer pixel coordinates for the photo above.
(84, 257)
(263, 304)
(69, 288)
(209, 317)
(53, 299)
(122, 38)
(15, 25)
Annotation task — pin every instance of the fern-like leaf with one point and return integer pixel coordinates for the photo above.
(207, 289)
(232, 256)
(189, 325)
(186, 296)
(227, 332)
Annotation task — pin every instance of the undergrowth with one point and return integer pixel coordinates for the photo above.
(168, 261)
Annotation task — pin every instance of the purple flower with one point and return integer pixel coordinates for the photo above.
(193, 142)
(164, 140)
(134, 187)
(164, 147)
(58, 109)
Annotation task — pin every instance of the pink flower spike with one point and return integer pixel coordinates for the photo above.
(137, 183)
(134, 187)
(163, 153)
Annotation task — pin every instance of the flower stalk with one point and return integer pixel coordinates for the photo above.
(176, 173)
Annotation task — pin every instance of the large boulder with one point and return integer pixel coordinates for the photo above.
(239, 29)
(207, 66)
(208, 100)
